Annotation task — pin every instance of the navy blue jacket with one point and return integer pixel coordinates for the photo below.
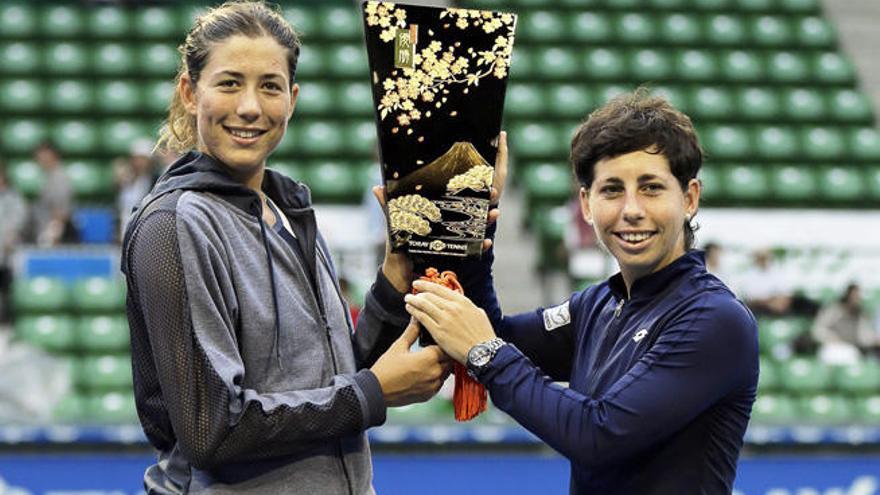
(661, 384)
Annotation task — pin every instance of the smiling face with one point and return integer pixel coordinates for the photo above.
(242, 102)
(638, 210)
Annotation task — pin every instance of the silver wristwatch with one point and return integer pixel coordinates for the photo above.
(481, 354)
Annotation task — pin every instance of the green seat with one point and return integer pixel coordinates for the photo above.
(622, 4)
(524, 100)
(758, 103)
(303, 19)
(823, 143)
(772, 31)
(713, 5)
(872, 186)
(680, 29)
(815, 32)
(19, 58)
(667, 5)
(21, 136)
(742, 182)
(332, 181)
(867, 410)
(756, 6)
(740, 66)
(864, 144)
(158, 59)
(862, 378)
(75, 137)
(695, 65)
(826, 410)
(157, 96)
(21, 95)
(116, 136)
(833, 68)
(534, 140)
(66, 58)
(788, 67)
(51, 332)
(711, 182)
(568, 100)
(316, 98)
(156, 23)
(725, 30)
(90, 180)
(186, 15)
(311, 63)
(436, 410)
(557, 63)
(712, 103)
(776, 143)
(113, 96)
(841, 183)
(648, 65)
(63, 21)
(348, 61)
(727, 142)
(634, 28)
(603, 64)
(674, 95)
(114, 59)
(112, 408)
(604, 94)
(361, 138)
(71, 409)
(522, 65)
(109, 22)
(103, 334)
(289, 144)
(551, 224)
(341, 23)
(800, 6)
(319, 138)
(793, 183)
(18, 20)
(849, 106)
(589, 28)
(774, 409)
(288, 168)
(775, 335)
(768, 379)
(355, 98)
(801, 375)
(803, 104)
(546, 184)
(103, 372)
(39, 295)
(26, 177)
(541, 26)
(70, 96)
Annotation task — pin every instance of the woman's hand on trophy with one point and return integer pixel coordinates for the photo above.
(397, 267)
(498, 180)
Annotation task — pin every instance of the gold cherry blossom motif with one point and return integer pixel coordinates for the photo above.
(410, 93)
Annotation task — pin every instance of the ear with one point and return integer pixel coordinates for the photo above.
(294, 94)
(692, 197)
(584, 196)
(187, 91)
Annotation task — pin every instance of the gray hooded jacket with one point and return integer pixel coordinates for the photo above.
(248, 375)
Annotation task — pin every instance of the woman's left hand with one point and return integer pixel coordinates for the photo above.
(397, 267)
(451, 318)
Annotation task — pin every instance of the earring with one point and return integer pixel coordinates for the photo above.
(687, 218)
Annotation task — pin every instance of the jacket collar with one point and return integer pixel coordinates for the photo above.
(652, 284)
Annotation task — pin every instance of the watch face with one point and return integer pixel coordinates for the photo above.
(480, 356)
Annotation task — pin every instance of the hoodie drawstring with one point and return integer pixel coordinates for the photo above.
(276, 345)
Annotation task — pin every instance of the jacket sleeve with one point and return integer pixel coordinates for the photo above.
(190, 317)
(381, 322)
(704, 354)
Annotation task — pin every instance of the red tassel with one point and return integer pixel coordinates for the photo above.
(470, 397)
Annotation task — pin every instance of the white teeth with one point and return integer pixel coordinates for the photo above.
(244, 134)
(635, 237)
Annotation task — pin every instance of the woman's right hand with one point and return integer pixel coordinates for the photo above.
(408, 377)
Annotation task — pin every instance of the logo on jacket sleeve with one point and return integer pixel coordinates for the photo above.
(640, 335)
(557, 316)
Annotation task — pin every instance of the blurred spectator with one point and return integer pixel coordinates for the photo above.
(766, 290)
(14, 215)
(353, 305)
(843, 329)
(52, 210)
(714, 253)
(134, 178)
(585, 257)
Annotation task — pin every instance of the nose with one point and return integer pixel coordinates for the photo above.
(249, 105)
(632, 207)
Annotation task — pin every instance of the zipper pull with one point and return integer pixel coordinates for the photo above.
(619, 308)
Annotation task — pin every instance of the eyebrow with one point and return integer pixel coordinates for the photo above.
(641, 180)
(239, 75)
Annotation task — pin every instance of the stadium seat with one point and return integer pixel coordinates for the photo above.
(603, 64)
(740, 66)
(849, 106)
(103, 372)
(356, 99)
(872, 184)
(648, 65)
(114, 59)
(814, 32)
(823, 143)
(668, 5)
(776, 143)
(725, 30)
(534, 140)
(115, 96)
(800, 6)
(777, 334)
(758, 103)
(186, 15)
(156, 23)
(102, 334)
(557, 63)
(546, 184)
(21, 95)
(17, 20)
(864, 144)
(605, 92)
(21, 58)
(158, 59)
(522, 65)
(109, 22)
(713, 5)
(542, 26)
(70, 96)
(348, 61)
(832, 68)
(341, 23)
(768, 379)
(332, 181)
(361, 139)
(319, 138)
(803, 104)
(755, 6)
(112, 408)
(316, 98)
(727, 142)
(589, 27)
(712, 103)
(674, 95)
(71, 409)
(695, 65)
(157, 95)
(304, 20)
(788, 67)
(51, 332)
(867, 410)
(742, 182)
(680, 29)
(21, 136)
(63, 21)
(774, 409)
(75, 137)
(711, 181)
(551, 224)
(862, 378)
(311, 62)
(290, 169)
(90, 180)
(66, 58)
(841, 183)
(801, 375)
(568, 100)
(523, 100)
(39, 295)
(634, 28)
(793, 183)
(26, 177)
(825, 409)
(435, 410)
(771, 31)
(116, 136)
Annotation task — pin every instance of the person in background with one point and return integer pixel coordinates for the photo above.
(134, 178)
(767, 291)
(843, 329)
(14, 214)
(52, 210)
